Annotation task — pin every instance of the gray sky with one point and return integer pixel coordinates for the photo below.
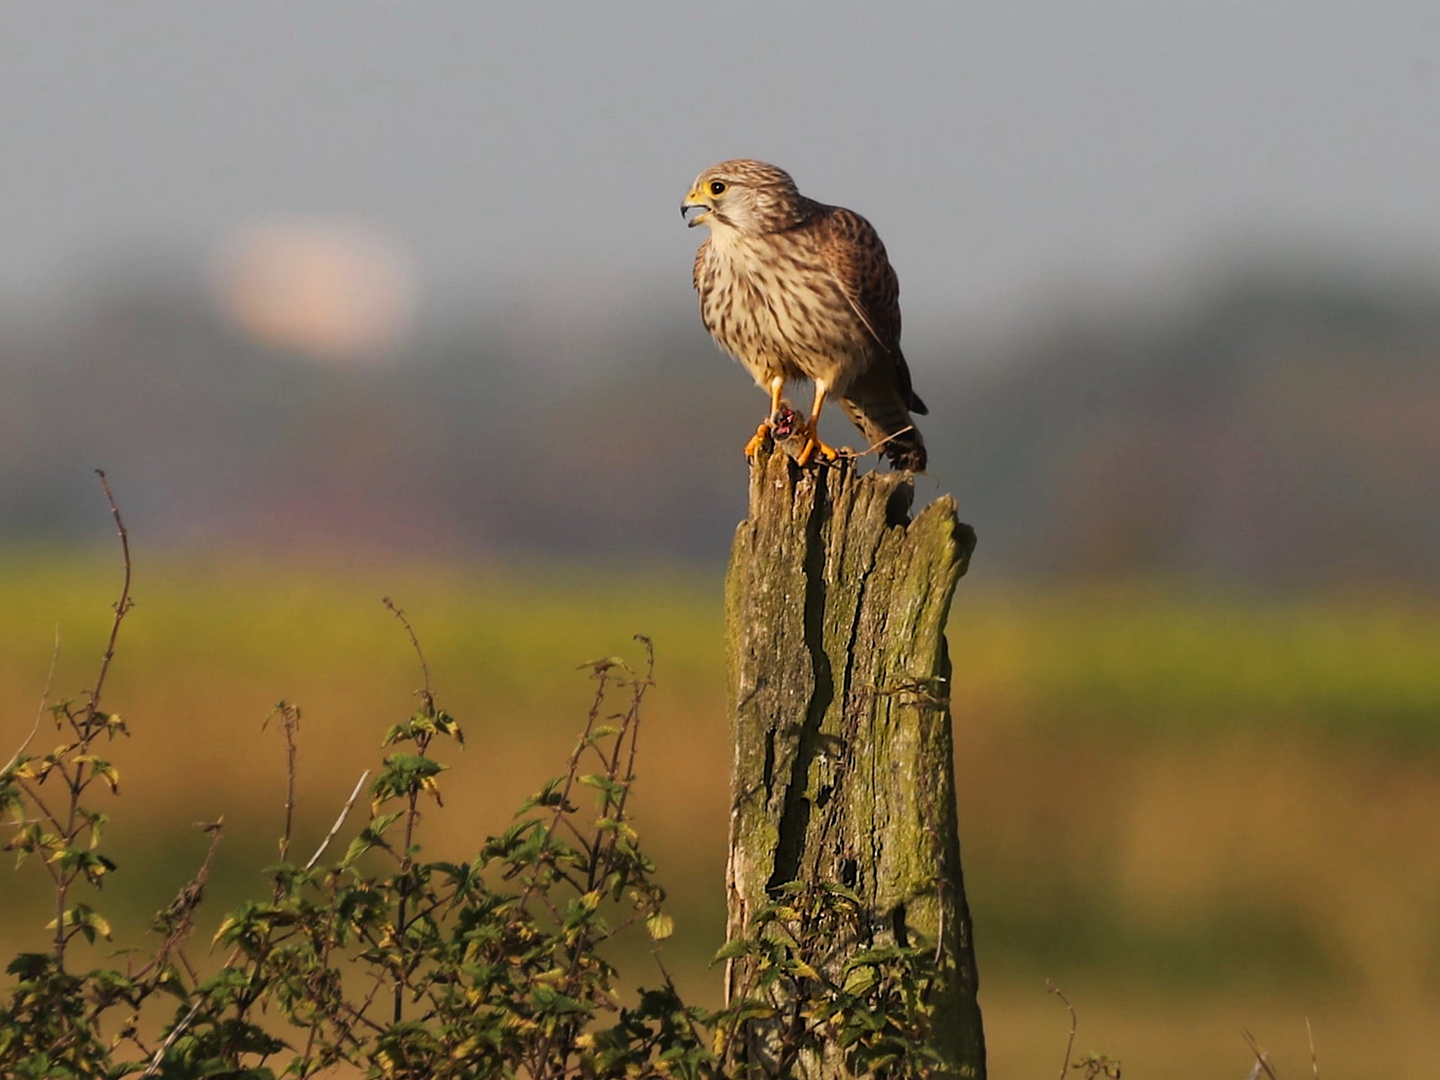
(1006, 151)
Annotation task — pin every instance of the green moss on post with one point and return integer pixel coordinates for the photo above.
(836, 603)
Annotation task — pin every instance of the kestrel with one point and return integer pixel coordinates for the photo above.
(795, 289)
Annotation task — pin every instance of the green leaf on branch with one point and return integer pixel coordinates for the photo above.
(86, 920)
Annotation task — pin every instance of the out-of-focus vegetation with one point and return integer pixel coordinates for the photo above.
(1271, 432)
(382, 963)
(1164, 662)
(1193, 813)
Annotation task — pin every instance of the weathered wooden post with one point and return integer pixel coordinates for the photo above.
(836, 603)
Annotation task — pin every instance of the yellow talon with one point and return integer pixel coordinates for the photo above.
(758, 440)
(814, 446)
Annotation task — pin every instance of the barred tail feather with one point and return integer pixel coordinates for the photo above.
(907, 451)
(885, 420)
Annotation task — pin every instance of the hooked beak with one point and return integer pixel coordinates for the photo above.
(697, 202)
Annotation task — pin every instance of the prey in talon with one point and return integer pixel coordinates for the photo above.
(790, 431)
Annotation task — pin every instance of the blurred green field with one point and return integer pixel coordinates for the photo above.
(1193, 813)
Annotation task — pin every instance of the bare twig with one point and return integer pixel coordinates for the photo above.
(339, 821)
(1262, 1059)
(1314, 1061)
(1070, 1044)
(399, 613)
(632, 721)
(289, 725)
(122, 606)
(929, 691)
(178, 918)
(44, 699)
(735, 1027)
(189, 968)
(84, 727)
(175, 1033)
(33, 794)
(880, 445)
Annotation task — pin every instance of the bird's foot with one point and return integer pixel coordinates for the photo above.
(758, 440)
(816, 451)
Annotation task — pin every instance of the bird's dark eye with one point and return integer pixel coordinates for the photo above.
(717, 187)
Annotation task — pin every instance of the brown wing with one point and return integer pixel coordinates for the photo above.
(855, 256)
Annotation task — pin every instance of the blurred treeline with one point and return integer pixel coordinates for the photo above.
(1272, 428)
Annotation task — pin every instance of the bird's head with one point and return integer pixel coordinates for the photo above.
(743, 195)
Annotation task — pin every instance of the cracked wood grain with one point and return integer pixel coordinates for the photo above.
(836, 606)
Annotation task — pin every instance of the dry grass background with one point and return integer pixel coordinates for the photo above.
(1194, 814)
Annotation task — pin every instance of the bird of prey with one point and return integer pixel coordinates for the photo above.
(795, 289)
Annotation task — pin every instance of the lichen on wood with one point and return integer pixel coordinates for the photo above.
(836, 606)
